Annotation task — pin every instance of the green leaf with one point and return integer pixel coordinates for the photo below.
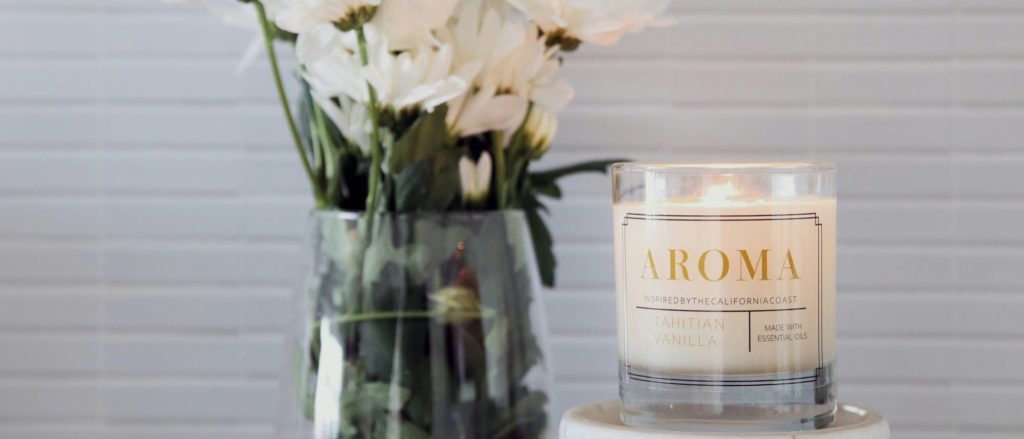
(552, 190)
(527, 418)
(552, 175)
(331, 153)
(412, 431)
(546, 183)
(386, 397)
(394, 428)
(426, 144)
(409, 186)
(543, 243)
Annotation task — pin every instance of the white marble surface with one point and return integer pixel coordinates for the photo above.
(600, 420)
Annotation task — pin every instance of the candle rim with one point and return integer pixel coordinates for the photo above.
(726, 167)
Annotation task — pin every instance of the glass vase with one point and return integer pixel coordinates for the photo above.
(421, 326)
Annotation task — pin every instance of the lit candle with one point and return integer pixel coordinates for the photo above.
(726, 291)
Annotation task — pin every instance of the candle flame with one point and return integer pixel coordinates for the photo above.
(720, 194)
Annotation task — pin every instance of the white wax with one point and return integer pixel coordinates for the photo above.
(723, 287)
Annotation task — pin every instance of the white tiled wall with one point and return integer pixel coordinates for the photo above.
(150, 208)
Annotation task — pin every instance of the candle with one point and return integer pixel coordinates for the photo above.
(725, 279)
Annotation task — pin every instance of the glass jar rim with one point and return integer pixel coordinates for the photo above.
(468, 215)
(726, 167)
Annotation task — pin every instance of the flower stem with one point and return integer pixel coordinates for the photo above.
(268, 39)
(499, 168)
(376, 150)
(400, 315)
(374, 192)
(331, 171)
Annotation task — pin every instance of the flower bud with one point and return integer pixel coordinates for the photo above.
(455, 303)
(475, 179)
(541, 127)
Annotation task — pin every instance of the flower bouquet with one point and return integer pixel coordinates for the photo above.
(416, 125)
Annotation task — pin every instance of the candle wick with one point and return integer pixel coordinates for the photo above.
(720, 194)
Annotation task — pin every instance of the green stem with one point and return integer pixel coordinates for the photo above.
(518, 169)
(499, 168)
(268, 39)
(376, 151)
(516, 162)
(330, 153)
(398, 315)
(373, 195)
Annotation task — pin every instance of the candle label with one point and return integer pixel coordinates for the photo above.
(723, 294)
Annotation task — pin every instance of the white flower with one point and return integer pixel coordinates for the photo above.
(350, 117)
(484, 111)
(529, 71)
(303, 15)
(324, 40)
(406, 24)
(480, 33)
(480, 38)
(602, 22)
(408, 80)
(540, 129)
(510, 66)
(409, 23)
(413, 78)
(475, 178)
(336, 73)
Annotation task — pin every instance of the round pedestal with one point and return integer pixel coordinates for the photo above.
(600, 420)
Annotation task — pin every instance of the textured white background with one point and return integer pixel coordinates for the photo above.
(151, 211)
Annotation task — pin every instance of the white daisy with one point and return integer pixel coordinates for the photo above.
(567, 23)
(350, 117)
(301, 16)
(510, 66)
(408, 80)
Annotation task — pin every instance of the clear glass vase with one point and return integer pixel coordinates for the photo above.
(422, 325)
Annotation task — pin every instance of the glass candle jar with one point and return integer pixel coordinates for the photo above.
(725, 286)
